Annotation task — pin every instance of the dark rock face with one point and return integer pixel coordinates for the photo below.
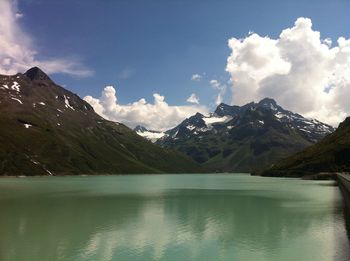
(36, 73)
(140, 128)
(224, 109)
(48, 130)
(345, 123)
(244, 138)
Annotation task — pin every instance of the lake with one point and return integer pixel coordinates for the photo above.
(171, 217)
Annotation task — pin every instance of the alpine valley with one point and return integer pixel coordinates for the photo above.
(242, 138)
(47, 130)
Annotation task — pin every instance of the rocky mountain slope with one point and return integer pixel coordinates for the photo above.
(47, 130)
(332, 154)
(244, 138)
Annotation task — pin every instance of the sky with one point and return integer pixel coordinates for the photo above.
(157, 62)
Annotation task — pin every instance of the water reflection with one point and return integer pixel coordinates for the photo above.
(173, 224)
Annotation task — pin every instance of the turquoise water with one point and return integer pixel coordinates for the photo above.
(171, 217)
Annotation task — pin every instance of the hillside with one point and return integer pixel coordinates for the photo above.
(332, 154)
(47, 130)
(244, 138)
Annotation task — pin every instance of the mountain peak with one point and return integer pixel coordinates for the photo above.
(198, 115)
(224, 109)
(140, 128)
(222, 106)
(268, 100)
(268, 103)
(36, 73)
(345, 123)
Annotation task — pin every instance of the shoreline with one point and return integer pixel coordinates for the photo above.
(107, 175)
(319, 176)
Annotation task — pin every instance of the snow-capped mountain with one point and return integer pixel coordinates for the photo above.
(149, 134)
(261, 128)
(228, 117)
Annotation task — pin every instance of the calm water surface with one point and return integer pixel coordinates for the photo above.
(171, 217)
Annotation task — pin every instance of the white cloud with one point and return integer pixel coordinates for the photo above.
(221, 88)
(17, 52)
(126, 73)
(328, 42)
(193, 98)
(299, 69)
(19, 15)
(196, 77)
(215, 83)
(157, 116)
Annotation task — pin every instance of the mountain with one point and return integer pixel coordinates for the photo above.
(332, 154)
(47, 130)
(244, 138)
(148, 134)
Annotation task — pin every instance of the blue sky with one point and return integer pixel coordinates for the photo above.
(142, 47)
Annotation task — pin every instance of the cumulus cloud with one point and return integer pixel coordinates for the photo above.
(221, 88)
(303, 72)
(193, 99)
(17, 52)
(196, 77)
(158, 115)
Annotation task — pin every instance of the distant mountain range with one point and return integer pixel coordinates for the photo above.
(241, 138)
(48, 130)
(332, 154)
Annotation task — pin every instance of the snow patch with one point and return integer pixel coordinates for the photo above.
(67, 104)
(280, 115)
(273, 107)
(35, 162)
(15, 86)
(204, 129)
(190, 127)
(49, 172)
(175, 134)
(18, 100)
(152, 136)
(211, 119)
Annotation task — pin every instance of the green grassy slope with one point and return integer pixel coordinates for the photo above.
(332, 154)
(65, 136)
